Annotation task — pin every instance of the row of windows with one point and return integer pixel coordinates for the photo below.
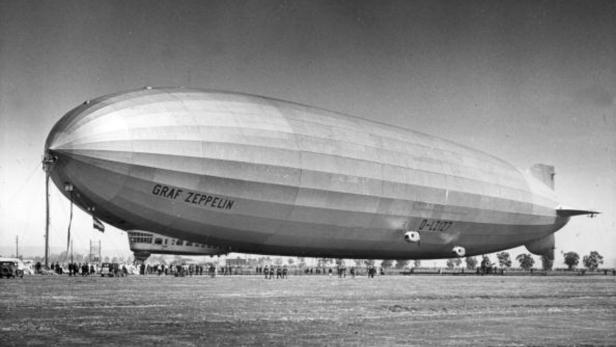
(147, 238)
(140, 239)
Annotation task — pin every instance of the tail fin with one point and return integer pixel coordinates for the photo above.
(570, 212)
(544, 173)
(543, 246)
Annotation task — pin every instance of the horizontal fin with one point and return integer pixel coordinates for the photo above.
(569, 212)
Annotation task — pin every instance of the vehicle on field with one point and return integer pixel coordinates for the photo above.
(24, 265)
(110, 269)
(10, 268)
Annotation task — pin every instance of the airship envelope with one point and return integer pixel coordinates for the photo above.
(259, 175)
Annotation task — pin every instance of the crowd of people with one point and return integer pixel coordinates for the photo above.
(180, 270)
(74, 269)
(177, 270)
(210, 269)
(341, 271)
(269, 271)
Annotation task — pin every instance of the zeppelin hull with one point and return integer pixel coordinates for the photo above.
(265, 176)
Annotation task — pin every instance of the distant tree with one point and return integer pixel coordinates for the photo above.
(106, 260)
(471, 263)
(504, 259)
(416, 263)
(157, 259)
(571, 259)
(485, 263)
(359, 262)
(339, 262)
(401, 263)
(593, 260)
(387, 263)
(369, 262)
(278, 261)
(526, 261)
(453, 262)
(154, 259)
(324, 261)
(291, 261)
(546, 263)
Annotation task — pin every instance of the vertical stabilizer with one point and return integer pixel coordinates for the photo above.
(543, 246)
(544, 173)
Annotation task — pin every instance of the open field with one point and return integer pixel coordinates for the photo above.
(308, 310)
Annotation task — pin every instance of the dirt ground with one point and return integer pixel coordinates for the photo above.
(308, 310)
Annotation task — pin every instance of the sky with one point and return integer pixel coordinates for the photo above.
(527, 81)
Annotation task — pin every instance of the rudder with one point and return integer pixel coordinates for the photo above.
(544, 173)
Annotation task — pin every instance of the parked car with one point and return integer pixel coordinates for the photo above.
(10, 268)
(111, 270)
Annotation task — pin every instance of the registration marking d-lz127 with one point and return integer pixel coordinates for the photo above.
(434, 225)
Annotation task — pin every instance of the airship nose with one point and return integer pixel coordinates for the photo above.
(69, 141)
(75, 149)
(63, 130)
(56, 136)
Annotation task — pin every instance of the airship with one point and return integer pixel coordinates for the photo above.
(252, 174)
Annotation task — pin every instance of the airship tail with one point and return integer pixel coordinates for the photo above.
(545, 174)
(545, 246)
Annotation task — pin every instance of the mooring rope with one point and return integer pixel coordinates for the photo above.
(70, 221)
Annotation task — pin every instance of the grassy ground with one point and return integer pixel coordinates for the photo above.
(308, 310)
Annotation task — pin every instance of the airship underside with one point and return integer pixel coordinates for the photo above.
(259, 175)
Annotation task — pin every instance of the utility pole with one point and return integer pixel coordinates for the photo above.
(16, 246)
(46, 218)
(48, 161)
